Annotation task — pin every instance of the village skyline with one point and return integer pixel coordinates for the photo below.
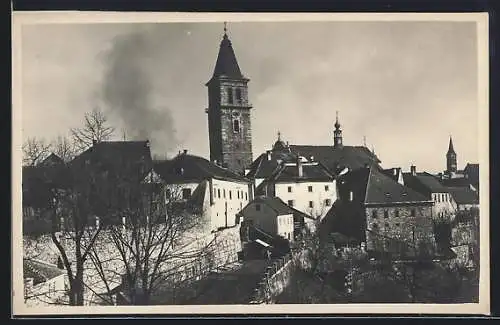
(297, 83)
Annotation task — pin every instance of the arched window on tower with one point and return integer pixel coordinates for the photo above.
(238, 95)
(236, 126)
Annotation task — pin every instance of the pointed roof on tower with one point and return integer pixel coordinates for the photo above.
(226, 64)
(450, 146)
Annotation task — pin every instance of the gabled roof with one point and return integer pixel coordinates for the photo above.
(123, 158)
(424, 183)
(472, 173)
(370, 186)
(382, 189)
(458, 182)
(226, 64)
(310, 172)
(265, 165)
(52, 159)
(463, 195)
(276, 204)
(185, 168)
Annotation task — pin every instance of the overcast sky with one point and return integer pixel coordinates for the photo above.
(406, 86)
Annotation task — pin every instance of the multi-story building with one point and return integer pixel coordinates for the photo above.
(444, 207)
(374, 209)
(305, 185)
(219, 192)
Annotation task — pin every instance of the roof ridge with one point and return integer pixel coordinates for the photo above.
(367, 184)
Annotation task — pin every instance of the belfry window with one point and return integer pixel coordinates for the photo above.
(230, 95)
(236, 126)
(238, 95)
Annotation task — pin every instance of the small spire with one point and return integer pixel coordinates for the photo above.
(279, 136)
(450, 145)
(364, 141)
(225, 28)
(337, 124)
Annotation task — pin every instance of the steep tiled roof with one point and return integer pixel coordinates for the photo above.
(335, 158)
(186, 168)
(382, 189)
(463, 195)
(52, 159)
(226, 64)
(310, 172)
(130, 158)
(262, 167)
(424, 183)
(472, 172)
(370, 186)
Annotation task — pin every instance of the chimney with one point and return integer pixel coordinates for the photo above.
(394, 171)
(300, 170)
(268, 155)
(185, 151)
(413, 170)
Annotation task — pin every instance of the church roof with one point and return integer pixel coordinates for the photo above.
(335, 158)
(226, 64)
(189, 168)
(450, 147)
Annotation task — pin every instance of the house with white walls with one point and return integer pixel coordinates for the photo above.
(219, 192)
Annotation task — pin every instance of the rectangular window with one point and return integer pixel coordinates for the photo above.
(246, 196)
(310, 188)
(386, 214)
(230, 95)
(238, 194)
(328, 202)
(168, 193)
(224, 193)
(374, 214)
(257, 207)
(186, 193)
(289, 189)
(397, 213)
(327, 188)
(218, 192)
(230, 195)
(311, 204)
(290, 203)
(413, 212)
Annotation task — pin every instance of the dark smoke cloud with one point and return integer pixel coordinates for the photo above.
(128, 94)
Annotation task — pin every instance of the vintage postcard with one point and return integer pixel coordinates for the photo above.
(176, 163)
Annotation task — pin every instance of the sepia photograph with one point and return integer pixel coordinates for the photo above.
(250, 163)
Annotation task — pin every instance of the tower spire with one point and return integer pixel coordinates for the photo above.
(279, 136)
(337, 134)
(225, 28)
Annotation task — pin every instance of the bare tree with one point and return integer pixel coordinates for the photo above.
(95, 129)
(34, 151)
(64, 148)
(152, 246)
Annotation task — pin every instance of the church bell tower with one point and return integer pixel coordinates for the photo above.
(229, 119)
(451, 159)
